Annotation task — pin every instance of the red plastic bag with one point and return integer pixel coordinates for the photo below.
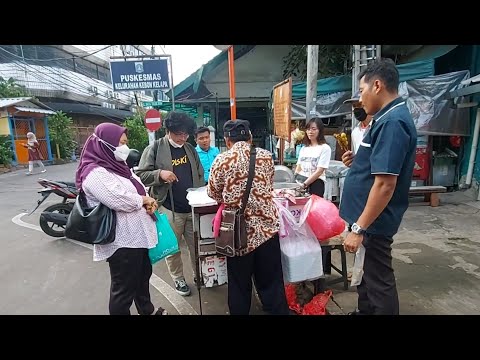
(324, 218)
(318, 305)
(292, 299)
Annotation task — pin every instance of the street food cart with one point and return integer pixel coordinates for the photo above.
(211, 268)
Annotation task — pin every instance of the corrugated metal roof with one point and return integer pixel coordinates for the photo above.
(4, 102)
(35, 110)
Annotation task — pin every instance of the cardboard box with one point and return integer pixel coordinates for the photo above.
(214, 270)
(206, 226)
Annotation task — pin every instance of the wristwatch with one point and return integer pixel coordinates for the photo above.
(356, 229)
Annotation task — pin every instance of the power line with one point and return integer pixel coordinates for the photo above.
(63, 58)
(84, 85)
(56, 82)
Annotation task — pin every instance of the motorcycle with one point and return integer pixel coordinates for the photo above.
(54, 218)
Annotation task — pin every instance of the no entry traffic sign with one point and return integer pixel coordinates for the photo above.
(153, 120)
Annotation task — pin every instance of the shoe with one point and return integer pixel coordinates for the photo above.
(182, 287)
(44, 170)
(29, 173)
(356, 312)
(160, 311)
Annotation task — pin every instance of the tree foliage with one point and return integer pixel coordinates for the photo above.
(9, 88)
(61, 133)
(137, 132)
(6, 153)
(333, 60)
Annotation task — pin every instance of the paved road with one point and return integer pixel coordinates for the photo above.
(44, 275)
(435, 255)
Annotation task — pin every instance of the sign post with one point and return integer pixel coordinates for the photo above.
(153, 122)
(282, 113)
(140, 74)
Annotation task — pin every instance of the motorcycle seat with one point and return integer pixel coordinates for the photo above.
(67, 183)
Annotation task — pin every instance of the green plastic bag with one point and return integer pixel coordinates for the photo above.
(167, 241)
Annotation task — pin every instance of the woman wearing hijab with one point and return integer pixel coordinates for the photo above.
(104, 177)
(34, 155)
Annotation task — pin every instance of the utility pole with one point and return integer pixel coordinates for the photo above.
(362, 56)
(312, 72)
(122, 47)
(231, 82)
(155, 92)
(25, 67)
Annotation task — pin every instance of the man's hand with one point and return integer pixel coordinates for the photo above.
(352, 242)
(347, 158)
(168, 176)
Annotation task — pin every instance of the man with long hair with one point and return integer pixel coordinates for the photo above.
(173, 162)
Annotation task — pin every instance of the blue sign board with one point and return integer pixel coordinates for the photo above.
(140, 74)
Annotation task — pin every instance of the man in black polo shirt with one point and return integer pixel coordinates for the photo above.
(375, 194)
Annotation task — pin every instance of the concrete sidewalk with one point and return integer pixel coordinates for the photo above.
(436, 260)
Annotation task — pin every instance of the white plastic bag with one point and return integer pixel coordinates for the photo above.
(300, 249)
(282, 206)
(199, 197)
(357, 271)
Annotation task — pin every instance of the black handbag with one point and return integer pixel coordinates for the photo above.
(233, 228)
(91, 225)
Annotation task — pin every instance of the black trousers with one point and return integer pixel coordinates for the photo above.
(317, 187)
(264, 264)
(130, 271)
(377, 293)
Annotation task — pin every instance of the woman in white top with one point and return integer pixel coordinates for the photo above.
(104, 177)
(314, 158)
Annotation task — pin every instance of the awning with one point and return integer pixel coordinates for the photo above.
(35, 110)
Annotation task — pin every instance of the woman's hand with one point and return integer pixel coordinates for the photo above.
(150, 204)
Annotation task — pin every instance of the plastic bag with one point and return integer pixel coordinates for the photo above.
(323, 217)
(199, 197)
(290, 293)
(318, 305)
(301, 253)
(282, 206)
(357, 271)
(167, 241)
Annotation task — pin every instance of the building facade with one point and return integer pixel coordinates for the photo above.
(74, 79)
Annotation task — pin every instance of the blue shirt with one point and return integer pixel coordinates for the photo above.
(388, 148)
(206, 158)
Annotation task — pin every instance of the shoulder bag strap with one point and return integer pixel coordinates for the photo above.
(251, 173)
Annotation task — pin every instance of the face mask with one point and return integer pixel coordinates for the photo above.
(174, 144)
(120, 152)
(359, 114)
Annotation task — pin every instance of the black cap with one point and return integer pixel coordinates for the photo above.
(355, 98)
(234, 128)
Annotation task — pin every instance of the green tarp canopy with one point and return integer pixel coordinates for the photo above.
(409, 71)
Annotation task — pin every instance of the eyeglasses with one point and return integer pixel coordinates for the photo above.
(181, 134)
